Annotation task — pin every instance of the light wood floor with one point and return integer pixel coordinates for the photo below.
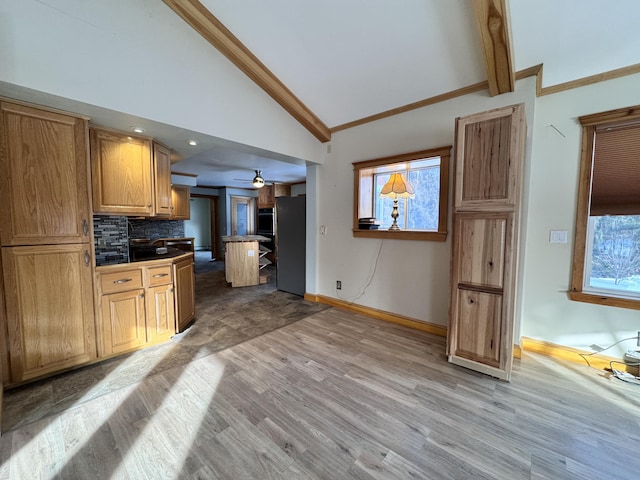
(340, 396)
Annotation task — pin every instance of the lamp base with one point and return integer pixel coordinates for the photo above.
(395, 215)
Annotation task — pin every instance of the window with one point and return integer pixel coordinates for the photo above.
(423, 217)
(606, 257)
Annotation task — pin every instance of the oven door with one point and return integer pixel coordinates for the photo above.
(266, 221)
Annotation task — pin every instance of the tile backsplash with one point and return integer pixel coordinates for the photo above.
(112, 233)
(111, 239)
(153, 229)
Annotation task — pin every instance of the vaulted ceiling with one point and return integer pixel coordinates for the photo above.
(340, 63)
(337, 63)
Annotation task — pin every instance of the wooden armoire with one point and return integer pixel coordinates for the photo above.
(488, 178)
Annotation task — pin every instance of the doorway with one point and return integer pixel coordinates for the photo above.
(243, 215)
(203, 224)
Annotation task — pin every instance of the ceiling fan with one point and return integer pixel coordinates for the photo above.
(258, 181)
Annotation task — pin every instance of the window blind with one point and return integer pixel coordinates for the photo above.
(615, 184)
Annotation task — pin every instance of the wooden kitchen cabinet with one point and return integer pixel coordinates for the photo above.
(267, 194)
(160, 302)
(47, 319)
(181, 202)
(45, 178)
(162, 180)
(122, 173)
(488, 178)
(49, 309)
(139, 305)
(123, 322)
(184, 282)
(161, 320)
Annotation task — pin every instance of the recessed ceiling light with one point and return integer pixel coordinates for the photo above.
(137, 129)
(193, 143)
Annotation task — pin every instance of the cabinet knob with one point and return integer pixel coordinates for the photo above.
(159, 275)
(141, 295)
(123, 280)
(85, 227)
(87, 258)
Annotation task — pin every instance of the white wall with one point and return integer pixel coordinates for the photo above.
(547, 312)
(298, 189)
(411, 277)
(140, 58)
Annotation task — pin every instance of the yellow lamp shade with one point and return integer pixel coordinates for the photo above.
(397, 187)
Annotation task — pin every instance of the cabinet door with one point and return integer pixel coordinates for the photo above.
(479, 321)
(44, 181)
(184, 278)
(121, 173)
(162, 179)
(266, 197)
(123, 322)
(181, 202)
(489, 150)
(161, 320)
(49, 303)
(482, 292)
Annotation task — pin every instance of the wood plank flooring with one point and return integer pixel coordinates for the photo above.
(340, 396)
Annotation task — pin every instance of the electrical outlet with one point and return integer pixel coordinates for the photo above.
(638, 339)
(338, 285)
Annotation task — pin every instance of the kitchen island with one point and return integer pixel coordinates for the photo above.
(244, 259)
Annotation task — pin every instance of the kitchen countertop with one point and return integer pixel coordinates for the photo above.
(245, 238)
(171, 258)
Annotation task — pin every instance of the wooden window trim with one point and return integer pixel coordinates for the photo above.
(437, 236)
(589, 125)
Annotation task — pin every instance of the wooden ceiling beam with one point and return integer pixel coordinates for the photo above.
(212, 30)
(492, 21)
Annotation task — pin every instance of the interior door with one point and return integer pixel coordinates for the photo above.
(242, 215)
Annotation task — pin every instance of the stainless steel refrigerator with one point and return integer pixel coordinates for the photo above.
(291, 233)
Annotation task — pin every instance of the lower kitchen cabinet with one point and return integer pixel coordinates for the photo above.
(184, 279)
(140, 302)
(161, 320)
(123, 322)
(137, 307)
(49, 309)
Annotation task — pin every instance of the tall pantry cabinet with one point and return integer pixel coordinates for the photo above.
(46, 240)
(488, 178)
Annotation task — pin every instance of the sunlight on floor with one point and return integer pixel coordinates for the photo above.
(600, 382)
(165, 441)
(146, 418)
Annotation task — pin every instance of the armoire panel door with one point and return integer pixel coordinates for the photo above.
(479, 319)
(488, 150)
(480, 243)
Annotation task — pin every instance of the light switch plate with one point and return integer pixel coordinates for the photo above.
(557, 236)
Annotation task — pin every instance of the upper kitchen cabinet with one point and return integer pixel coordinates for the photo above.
(267, 194)
(44, 184)
(122, 173)
(162, 179)
(181, 206)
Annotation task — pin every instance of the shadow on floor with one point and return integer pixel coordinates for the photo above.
(225, 316)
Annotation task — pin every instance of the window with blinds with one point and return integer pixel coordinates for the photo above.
(615, 185)
(607, 245)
